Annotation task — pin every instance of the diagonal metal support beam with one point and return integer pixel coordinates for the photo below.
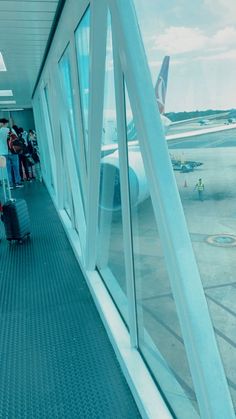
(205, 363)
(96, 98)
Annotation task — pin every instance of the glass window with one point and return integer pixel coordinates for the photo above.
(199, 37)
(67, 87)
(67, 194)
(48, 127)
(110, 261)
(64, 67)
(82, 47)
(159, 334)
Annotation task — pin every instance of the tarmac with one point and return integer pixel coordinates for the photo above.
(212, 228)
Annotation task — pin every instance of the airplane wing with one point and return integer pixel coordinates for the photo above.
(203, 131)
(218, 115)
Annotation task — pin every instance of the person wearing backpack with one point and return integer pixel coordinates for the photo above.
(8, 150)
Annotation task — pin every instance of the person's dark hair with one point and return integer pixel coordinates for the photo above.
(16, 129)
(4, 120)
(21, 130)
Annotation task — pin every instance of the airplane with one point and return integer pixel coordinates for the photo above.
(110, 194)
(109, 129)
(160, 92)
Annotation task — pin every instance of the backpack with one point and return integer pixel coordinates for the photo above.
(13, 143)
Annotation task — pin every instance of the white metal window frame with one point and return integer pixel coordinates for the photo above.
(82, 165)
(39, 129)
(144, 389)
(79, 153)
(78, 216)
(61, 123)
(73, 12)
(212, 392)
(98, 34)
(125, 194)
(67, 137)
(205, 363)
(49, 135)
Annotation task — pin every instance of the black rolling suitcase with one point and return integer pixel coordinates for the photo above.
(15, 214)
(15, 217)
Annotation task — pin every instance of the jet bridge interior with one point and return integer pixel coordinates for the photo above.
(122, 303)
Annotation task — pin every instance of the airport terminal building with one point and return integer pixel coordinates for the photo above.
(122, 303)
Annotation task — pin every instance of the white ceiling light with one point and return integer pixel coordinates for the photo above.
(11, 109)
(7, 102)
(2, 64)
(6, 93)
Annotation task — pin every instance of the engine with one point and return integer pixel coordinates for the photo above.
(110, 188)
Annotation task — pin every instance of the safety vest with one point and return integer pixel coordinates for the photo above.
(200, 186)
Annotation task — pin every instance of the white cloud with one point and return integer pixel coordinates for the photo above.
(225, 36)
(178, 40)
(227, 55)
(224, 9)
(157, 64)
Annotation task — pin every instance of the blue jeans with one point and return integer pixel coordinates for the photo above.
(13, 166)
(200, 195)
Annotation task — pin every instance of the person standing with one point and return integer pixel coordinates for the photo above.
(200, 188)
(12, 159)
(23, 155)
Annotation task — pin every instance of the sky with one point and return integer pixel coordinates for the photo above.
(200, 37)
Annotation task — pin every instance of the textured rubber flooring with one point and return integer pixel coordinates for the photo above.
(56, 359)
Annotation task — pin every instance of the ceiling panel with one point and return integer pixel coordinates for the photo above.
(26, 24)
(23, 46)
(28, 6)
(26, 16)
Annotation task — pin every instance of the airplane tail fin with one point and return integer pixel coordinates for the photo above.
(161, 84)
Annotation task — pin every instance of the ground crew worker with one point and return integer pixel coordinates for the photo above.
(200, 187)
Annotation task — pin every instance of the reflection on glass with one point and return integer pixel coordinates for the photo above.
(201, 98)
(159, 335)
(47, 154)
(82, 47)
(66, 184)
(111, 246)
(66, 82)
(208, 196)
(65, 72)
(48, 106)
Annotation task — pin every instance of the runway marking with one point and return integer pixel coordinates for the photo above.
(227, 284)
(169, 294)
(213, 143)
(221, 305)
(232, 384)
(223, 336)
(207, 141)
(174, 143)
(157, 318)
(183, 384)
